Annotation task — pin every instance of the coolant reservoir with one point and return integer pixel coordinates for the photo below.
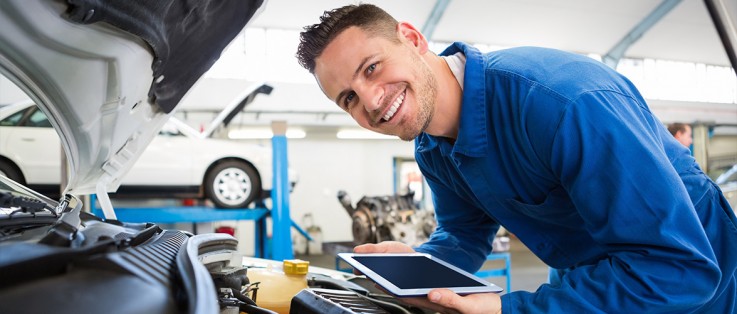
(277, 286)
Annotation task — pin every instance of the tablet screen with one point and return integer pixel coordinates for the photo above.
(418, 272)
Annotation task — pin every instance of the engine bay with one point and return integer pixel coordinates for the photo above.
(72, 261)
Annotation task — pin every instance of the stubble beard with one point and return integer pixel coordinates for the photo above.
(425, 94)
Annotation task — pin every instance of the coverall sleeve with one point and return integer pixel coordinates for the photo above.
(464, 233)
(609, 157)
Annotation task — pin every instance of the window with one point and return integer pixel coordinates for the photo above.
(14, 119)
(408, 178)
(38, 119)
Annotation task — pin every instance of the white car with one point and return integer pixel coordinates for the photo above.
(179, 162)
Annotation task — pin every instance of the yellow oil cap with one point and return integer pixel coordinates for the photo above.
(295, 266)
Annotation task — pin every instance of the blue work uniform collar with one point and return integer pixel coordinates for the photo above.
(472, 138)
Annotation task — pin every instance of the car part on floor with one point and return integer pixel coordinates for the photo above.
(391, 217)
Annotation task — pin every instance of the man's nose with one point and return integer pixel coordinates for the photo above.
(370, 95)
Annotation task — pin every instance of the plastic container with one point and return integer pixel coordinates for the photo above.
(277, 286)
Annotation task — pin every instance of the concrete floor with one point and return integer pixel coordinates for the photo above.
(528, 271)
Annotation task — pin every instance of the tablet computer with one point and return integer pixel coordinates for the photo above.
(415, 274)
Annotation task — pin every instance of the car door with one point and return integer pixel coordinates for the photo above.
(32, 143)
(167, 161)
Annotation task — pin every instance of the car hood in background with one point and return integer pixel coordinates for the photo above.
(108, 74)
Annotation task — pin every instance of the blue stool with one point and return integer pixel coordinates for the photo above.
(506, 271)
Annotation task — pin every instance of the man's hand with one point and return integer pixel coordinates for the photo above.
(446, 301)
(440, 300)
(384, 247)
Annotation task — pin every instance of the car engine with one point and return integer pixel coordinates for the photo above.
(388, 218)
(64, 260)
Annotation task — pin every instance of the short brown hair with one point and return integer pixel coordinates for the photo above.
(315, 38)
(676, 127)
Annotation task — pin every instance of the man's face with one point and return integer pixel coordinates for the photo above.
(385, 86)
(685, 136)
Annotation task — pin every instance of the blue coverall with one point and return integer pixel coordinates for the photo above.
(565, 153)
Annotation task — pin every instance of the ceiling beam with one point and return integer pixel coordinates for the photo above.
(612, 57)
(432, 21)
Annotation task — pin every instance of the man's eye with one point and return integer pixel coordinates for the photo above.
(371, 68)
(348, 99)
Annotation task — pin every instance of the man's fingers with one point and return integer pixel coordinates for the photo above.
(446, 299)
(474, 303)
(366, 248)
(383, 247)
(425, 304)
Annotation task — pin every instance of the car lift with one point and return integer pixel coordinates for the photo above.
(281, 243)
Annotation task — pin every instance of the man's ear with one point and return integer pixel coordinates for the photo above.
(408, 32)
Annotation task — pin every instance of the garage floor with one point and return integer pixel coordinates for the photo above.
(528, 272)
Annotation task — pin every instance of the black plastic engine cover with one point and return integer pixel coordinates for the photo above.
(94, 279)
(326, 301)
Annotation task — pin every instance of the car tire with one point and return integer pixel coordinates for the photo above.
(11, 172)
(232, 184)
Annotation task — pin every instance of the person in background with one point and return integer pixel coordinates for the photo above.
(682, 133)
(558, 148)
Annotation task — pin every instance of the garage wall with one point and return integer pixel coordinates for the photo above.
(722, 146)
(325, 166)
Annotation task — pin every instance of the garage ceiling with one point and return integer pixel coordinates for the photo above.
(685, 33)
(586, 26)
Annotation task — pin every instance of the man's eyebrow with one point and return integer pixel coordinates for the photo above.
(360, 66)
(358, 70)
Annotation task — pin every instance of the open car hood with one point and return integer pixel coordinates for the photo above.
(109, 74)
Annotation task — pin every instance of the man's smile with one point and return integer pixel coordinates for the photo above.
(394, 107)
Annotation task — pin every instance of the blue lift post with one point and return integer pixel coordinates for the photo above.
(281, 242)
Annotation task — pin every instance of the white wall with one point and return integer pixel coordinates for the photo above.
(325, 166)
(721, 146)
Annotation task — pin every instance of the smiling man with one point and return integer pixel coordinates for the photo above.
(556, 147)
(390, 74)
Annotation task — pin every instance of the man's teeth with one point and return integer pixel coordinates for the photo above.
(395, 106)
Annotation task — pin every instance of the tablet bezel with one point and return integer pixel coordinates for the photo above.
(393, 289)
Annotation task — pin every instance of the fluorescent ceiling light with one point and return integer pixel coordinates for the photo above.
(363, 135)
(263, 133)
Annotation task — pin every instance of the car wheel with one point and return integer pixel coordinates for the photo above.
(232, 184)
(11, 172)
